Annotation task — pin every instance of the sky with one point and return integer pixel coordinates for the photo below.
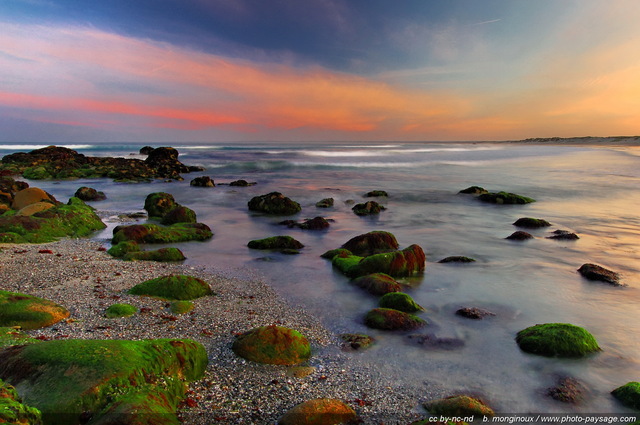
(317, 70)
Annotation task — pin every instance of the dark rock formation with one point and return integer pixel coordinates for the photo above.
(89, 194)
(368, 208)
(203, 181)
(474, 313)
(519, 236)
(391, 320)
(457, 259)
(375, 242)
(317, 223)
(375, 194)
(564, 235)
(325, 203)
(274, 203)
(275, 242)
(474, 190)
(377, 284)
(599, 273)
(531, 223)
(567, 390)
(432, 342)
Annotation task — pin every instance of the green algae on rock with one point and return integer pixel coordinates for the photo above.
(338, 251)
(80, 378)
(628, 395)
(181, 307)
(89, 194)
(13, 411)
(325, 203)
(273, 345)
(120, 310)
(399, 301)
(154, 233)
(12, 336)
(377, 283)
(274, 203)
(557, 340)
(275, 242)
(122, 248)
(320, 411)
(389, 319)
(179, 214)
(157, 204)
(368, 208)
(375, 242)
(29, 312)
(505, 198)
(173, 287)
(459, 405)
(407, 262)
(162, 255)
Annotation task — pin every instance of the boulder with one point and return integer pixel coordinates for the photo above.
(122, 248)
(165, 162)
(162, 255)
(30, 196)
(557, 340)
(120, 310)
(29, 312)
(399, 301)
(408, 262)
(368, 208)
(599, 273)
(377, 284)
(241, 183)
(519, 236)
(567, 390)
(391, 320)
(474, 190)
(146, 150)
(153, 233)
(273, 345)
(317, 223)
(505, 198)
(173, 287)
(375, 242)
(531, 223)
(275, 242)
(179, 214)
(181, 307)
(320, 411)
(459, 405)
(89, 194)
(204, 181)
(34, 208)
(375, 194)
(159, 203)
(325, 203)
(474, 313)
(274, 203)
(338, 251)
(628, 395)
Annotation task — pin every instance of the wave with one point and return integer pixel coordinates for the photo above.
(33, 147)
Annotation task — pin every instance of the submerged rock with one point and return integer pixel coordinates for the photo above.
(531, 223)
(399, 301)
(320, 411)
(179, 214)
(599, 273)
(317, 223)
(567, 390)
(29, 312)
(325, 203)
(474, 190)
(376, 194)
(273, 345)
(433, 342)
(89, 194)
(459, 405)
(474, 313)
(275, 242)
(377, 284)
(505, 198)
(564, 235)
(457, 259)
(241, 183)
(157, 204)
(203, 181)
(368, 208)
(153, 233)
(374, 242)
(407, 262)
(274, 203)
(390, 320)
(519, 236)
(173, 287)
(628, 395)
(557, 340)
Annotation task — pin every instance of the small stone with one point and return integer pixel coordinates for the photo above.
(474, 313)
(519, 236)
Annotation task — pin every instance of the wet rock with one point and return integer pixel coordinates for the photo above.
(241, 183)
(165, 162)
(273, 345)
(122, 248)
(356, 341)
(275, 242)
(474, 190)
(120, 310)
(377, 284)
(564, 235)
(375, 242)
(13, 410)
(173, 287)
(432, 342)
(628, 395)
(457, 259)
(30, 196)
(154, 233)
(203, 181)
(531, 223)
(333, 252)
(29, 312)
(274, 203)
(89, 194)
(325, 203)
(368, 208)
(165, 255)
(557, 340)
(505, 198)
(321, 411)
(474, 313)
(407, 262)
(145, 150)
(317, 223)
(567, 390)
(599, 273)
(157, 204)
(459, 405)
(179, 214)
(399, 301)
(392, 320)
(376, 194)
(519, 236)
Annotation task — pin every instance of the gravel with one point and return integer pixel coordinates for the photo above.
(78, 274)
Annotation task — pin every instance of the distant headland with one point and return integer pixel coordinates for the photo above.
(586, 140)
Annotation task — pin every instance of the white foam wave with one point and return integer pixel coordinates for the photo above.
(32, 147)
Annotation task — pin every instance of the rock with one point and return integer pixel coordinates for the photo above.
(408, 262)
(628, 395)
(325, 203)
(519, 236)
(181, 307)
(204, 181)
(320, 411)
(89, 194)
(120, 310)
(159, 203)
(557, 340)
(162, 255)
(146, 150)
(179, 214)
(356, 341)
(375, 194)
(34, 208)
(531, 223)
(153, 233)
(459, 405)
(567, 390)
(104, 380)
(377, 284)
(165, 162)
(29, 312)
(474, 190)
(333, 252)
(120, 249)
(375, 242)
(432, 342)
(368, 208)
(12, 336)
(399, 301)
(275, 242)
(273, 345)
(13, 411)
(30, 196)
(457, 259)
(474, 313)
(274, 203)
(564, 235)
(317, 223)
(505, 198)
(390, 320)
(242, 183)
(173, 287)
(11, 186)
(599, 273)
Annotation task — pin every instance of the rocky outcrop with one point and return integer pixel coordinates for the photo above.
(204, 181)
(531, 223)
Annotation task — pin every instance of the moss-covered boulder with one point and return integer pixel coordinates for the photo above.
(599, 273)
(181, 307)
(179, 214)
(320, 411)
(30, 196)
(89, 194)
(161, 255)
(12, 336)
(377, 284)
(120, 310)
(408, 262)
(457, 259)
(70, 381)
(375, 242)
(154, 233)
(399, 301)
(157, 204)
(173, 287)
(376, 194)
(391, 320)
(519, 236)
(325, 203)
(13, 411)
(333, 252)
(557, 340)
(122, 248)
(504, 198)
(367, 208)
(275, 242)
(531, 223)
(628, 395)
(29, 312)
(274, 203)
(459, 405)
(474, 190)
(273, 345)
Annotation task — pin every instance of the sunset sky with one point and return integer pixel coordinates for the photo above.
(317, 70)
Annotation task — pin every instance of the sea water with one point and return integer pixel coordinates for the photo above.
(593, 191)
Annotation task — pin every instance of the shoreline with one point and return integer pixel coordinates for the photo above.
(77, 275)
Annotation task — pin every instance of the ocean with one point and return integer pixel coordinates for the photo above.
(593, 191)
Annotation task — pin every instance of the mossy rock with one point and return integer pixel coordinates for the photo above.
(505, 198)
(181, 307)
(179, 214)
(13, 336)
(531, 223)
(36, 173)
(376, 194)
(68, 380)
(273, 345)
(29, 312)
(325, 203)
(120, 310)
(399, 301)
(89, 194)
(157, 204)
(345, 262)
(377, 284)
(274, 203)
(11, 238)
(319, 411)
(173, 287)
(333, 252)
(519, 236)
(408, 262)
(122, 248)
(375, 242)
(153, 233)
(368, 208)
(275, 242)
(162, 255)
(474, 190)
(557, 340)
(628, 395)
(13, 411)
(391, 320)
(458, 405)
